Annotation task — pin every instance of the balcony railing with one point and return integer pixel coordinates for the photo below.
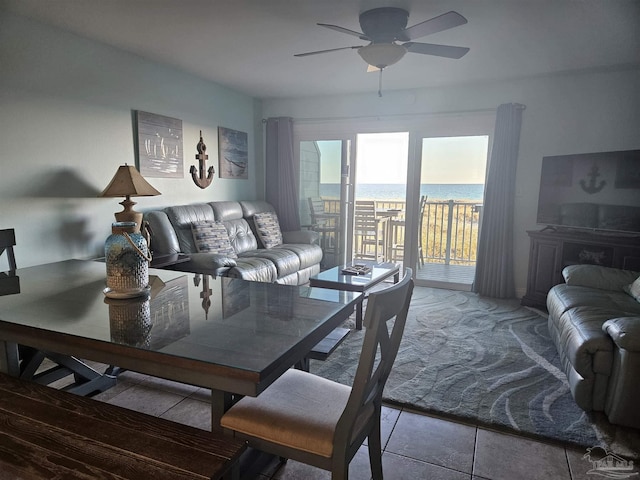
(450, 230)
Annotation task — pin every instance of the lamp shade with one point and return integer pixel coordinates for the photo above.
(382, 54)
(128, 182)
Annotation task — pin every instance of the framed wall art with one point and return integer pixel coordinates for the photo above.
(159, 145)
(233, 154)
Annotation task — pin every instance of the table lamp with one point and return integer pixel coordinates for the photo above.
(127, 182)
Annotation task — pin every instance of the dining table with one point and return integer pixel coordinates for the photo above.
(229, 335)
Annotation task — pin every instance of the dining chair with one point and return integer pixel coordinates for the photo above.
(9, 281)
(368, 231)
(326, 224)
(7, 242)
(319, 422)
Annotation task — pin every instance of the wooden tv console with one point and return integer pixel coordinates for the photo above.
(552, 250)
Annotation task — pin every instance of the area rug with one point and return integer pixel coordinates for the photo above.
(488, 362)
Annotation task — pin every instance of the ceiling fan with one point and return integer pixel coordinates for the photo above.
(385, 27)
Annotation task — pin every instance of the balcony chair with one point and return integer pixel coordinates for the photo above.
(369, 232)
(326, 224)
(323, 423)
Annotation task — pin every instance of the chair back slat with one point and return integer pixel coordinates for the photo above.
(365, 208)
(316, 205)
(7, 242)
(367, 231)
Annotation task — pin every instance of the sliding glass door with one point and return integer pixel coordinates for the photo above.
(415, 170)
(445, 179)
(381, 183)
(325, 191)
(452, 174)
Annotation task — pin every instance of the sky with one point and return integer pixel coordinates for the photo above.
(382, 158)
(454, 159)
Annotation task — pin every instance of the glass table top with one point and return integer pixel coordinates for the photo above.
(230, 322)
(336, 276)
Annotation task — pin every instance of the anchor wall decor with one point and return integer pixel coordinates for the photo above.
(198, 174)
(592, 188)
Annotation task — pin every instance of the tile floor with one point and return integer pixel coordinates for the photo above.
(416, 446)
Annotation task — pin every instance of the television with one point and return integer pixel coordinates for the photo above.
(596, 191)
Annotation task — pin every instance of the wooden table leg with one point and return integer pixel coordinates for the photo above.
(9, 358)
(220, 403)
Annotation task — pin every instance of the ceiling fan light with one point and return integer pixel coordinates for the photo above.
(382, 55)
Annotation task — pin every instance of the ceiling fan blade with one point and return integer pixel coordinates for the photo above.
(436, 24)
(447, 51)
(361, 36)
(325, 51)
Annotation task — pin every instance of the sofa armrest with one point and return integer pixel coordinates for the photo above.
(625, 332)
(164, 240)
(212, 260)
(596, 276)
(206, 263)
(301, 236)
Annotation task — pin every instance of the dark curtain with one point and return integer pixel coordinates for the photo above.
(282, 173)
(494, 270)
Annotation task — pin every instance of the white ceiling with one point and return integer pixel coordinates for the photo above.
(248, 45)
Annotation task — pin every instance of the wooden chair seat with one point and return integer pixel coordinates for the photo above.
(300, 410)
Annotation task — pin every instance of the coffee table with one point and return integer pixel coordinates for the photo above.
(232, 336)
(334, 279)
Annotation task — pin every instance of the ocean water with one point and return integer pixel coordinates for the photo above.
(391, 191)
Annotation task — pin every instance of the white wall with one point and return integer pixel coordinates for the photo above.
(572, 113)
(67, 123)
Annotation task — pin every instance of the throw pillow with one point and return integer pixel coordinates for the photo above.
(268, 229)
(212, 237)
(634, 289)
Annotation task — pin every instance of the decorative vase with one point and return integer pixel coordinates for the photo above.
(127, 258)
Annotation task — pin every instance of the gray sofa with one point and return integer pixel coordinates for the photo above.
(292, 262)
(594, 321)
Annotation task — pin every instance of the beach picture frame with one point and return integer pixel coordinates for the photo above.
(233, 154)
(159, 145)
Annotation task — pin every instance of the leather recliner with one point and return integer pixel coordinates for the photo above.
(595, 326)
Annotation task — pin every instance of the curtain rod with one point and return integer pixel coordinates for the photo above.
(398, 115)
